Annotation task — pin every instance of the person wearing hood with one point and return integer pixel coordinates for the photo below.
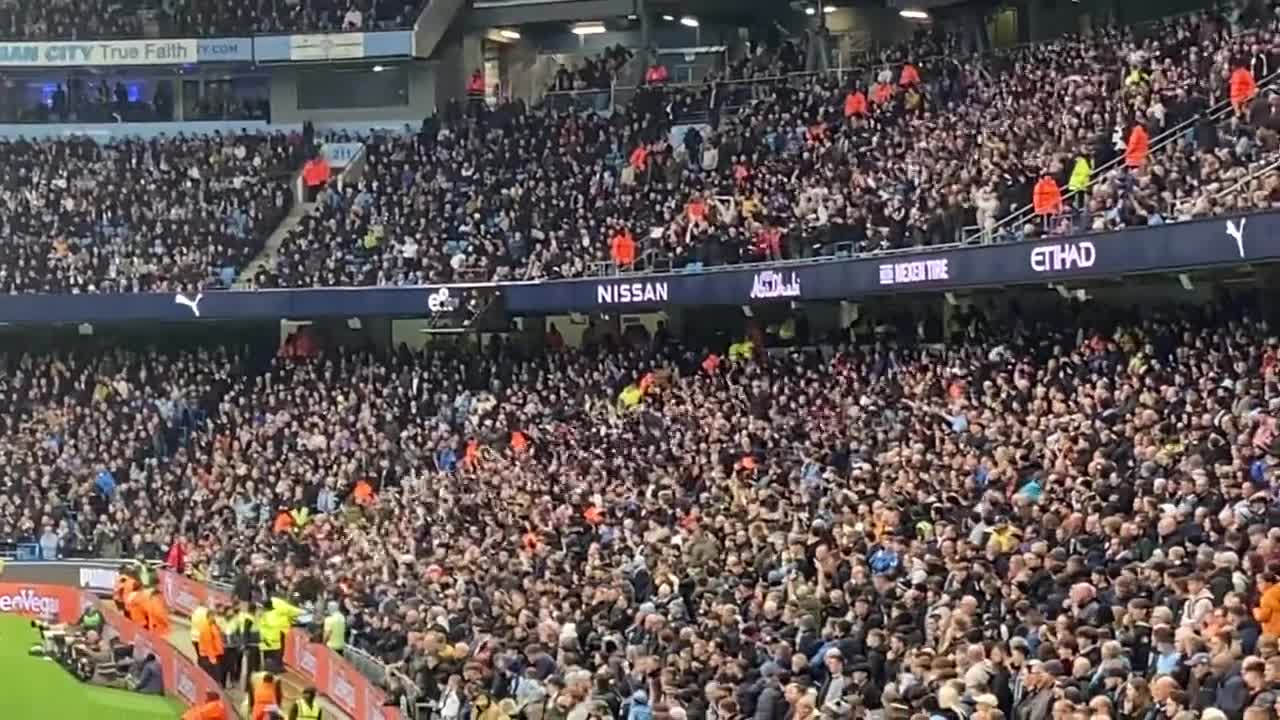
(770, 703)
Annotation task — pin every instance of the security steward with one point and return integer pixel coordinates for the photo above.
(199, 617)
(266, 695)
(125, 584)
(90, 619)
(307, 707)
(233, 637)
(135, 607)
(272, 626)
(210, 648)
(213, 708)
(249, 640)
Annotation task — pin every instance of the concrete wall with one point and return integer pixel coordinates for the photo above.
(665, 35)
(458, 56)
(117, 131)
(1047, 19)
(422, 99)
(861, 29)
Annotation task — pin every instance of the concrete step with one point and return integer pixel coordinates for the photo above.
(270, 252)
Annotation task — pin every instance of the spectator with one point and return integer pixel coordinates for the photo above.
(77, 221)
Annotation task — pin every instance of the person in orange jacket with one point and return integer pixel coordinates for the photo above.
(622, 248)
(1135, 153)
(125, 584)
(1268, 611)
(266, 697)
(855, 103)
(157, 614)
(1046, 198)
(210, 649)
(213, 708)
(909, 76)
(135, 607)
(1242, 86)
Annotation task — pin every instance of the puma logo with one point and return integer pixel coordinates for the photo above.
(1237, 232)
(193, 304)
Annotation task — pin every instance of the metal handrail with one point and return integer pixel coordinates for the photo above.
(1258, 173)
(1161, 141)
(854, 67)
(648, 260)
(844, 252)
(614, 89)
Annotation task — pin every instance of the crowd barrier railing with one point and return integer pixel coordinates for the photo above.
(368, 665)
(336, 679)
(333, 677)
(414, 704)
(63, 603)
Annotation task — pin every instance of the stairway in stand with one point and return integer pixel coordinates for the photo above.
(270, 252)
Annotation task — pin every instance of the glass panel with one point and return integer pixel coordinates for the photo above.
(79, 95)
(355, 88)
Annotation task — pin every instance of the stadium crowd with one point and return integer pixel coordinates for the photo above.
(37, 20)
(937, 146)
(1073, 517)
(809, 165)
(66, 20)
(174, 213)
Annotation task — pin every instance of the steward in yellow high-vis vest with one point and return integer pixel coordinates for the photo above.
(307, 706)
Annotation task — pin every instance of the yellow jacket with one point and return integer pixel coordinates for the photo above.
(1080, 175)
(276, 622)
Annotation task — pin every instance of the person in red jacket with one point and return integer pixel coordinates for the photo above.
(855, 103)
(475, 85)
(176, 558)
(910, 76)
(1243, 88)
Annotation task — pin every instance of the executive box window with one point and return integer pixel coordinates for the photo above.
(355, 88)
(77, 95)
(98, 95)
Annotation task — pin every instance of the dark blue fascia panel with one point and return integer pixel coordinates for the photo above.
(1216, 242)
(1207, 243)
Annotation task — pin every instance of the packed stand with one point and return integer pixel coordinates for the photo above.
(914, 154)
(40, 20)
(1226, 169)
(36, 20)
(85, 436)
(1072, 519)
(597, 72)
(1212, 154)
(173, 214)
(245, 17)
